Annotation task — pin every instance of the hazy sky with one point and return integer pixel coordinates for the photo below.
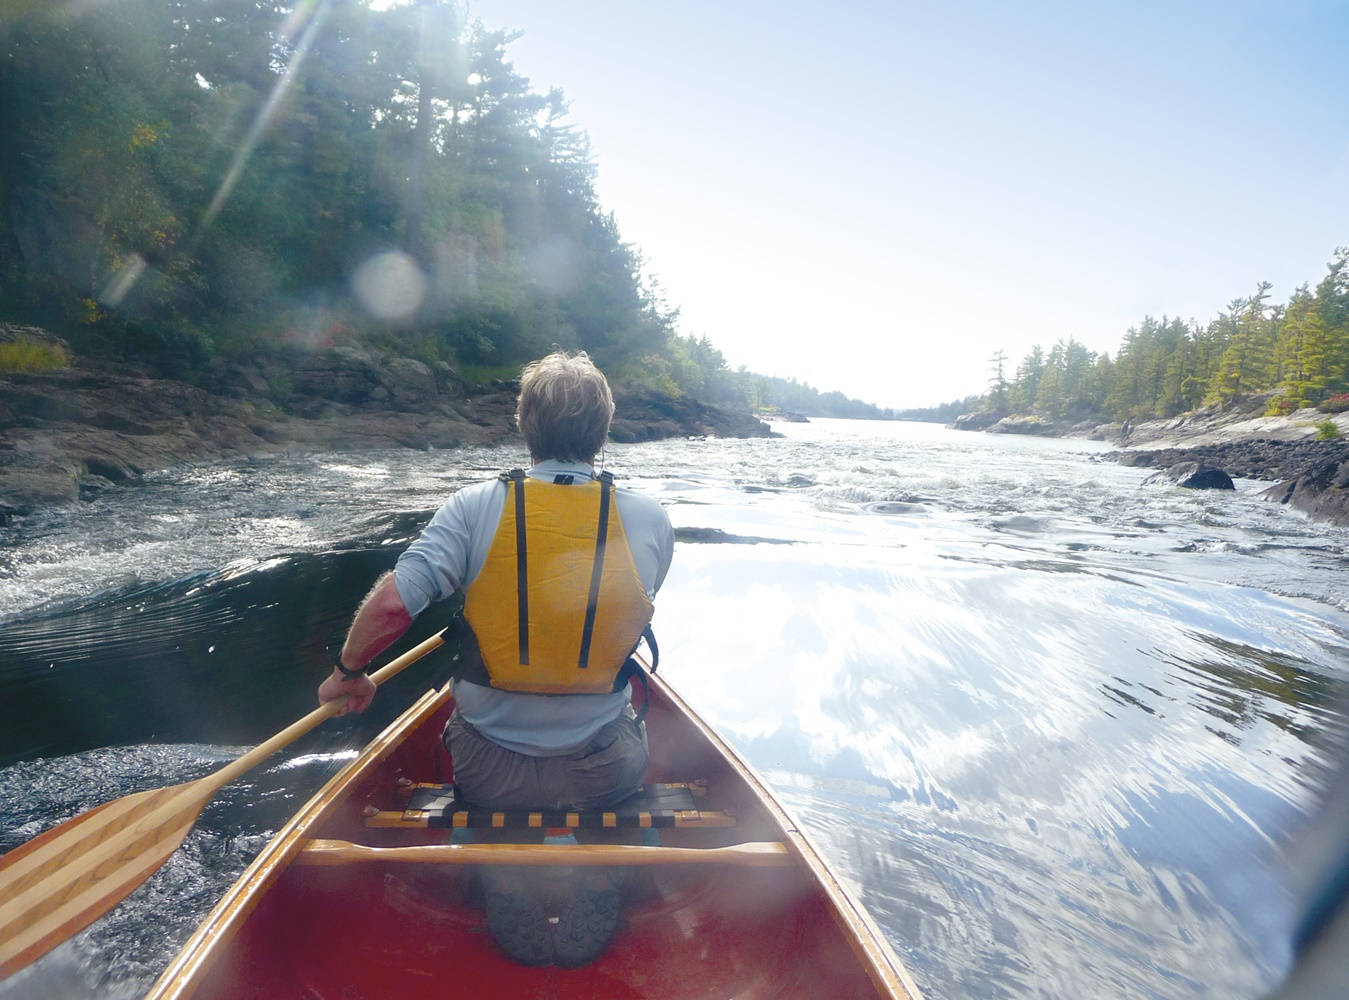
(875, 197)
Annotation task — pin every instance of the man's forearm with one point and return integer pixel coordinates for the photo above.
(379, 621)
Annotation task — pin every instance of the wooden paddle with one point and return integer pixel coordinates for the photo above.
(756, 854)
(65, 879)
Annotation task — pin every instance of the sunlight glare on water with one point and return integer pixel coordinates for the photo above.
(1057, 727)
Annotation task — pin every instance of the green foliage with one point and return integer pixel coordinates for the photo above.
(279, 385)
(693, 366)
(997, 382)
(176, 349)
(944, 413)
(483, 374)
(24, 354)
(213, 177)
(792, 396)
(1247, 361)
(1298, 352)
(653, 373)
(1327, 430)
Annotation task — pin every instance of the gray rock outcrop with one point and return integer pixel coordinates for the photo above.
(64, 431)
(976, 421)
(1022, 425)
(1322, 493)
(648, 416)
(1243, 420)
(74, 432)
(1259, 458)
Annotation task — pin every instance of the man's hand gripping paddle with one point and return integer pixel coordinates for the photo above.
(63, 880)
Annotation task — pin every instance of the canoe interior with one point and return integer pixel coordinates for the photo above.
(378, 929)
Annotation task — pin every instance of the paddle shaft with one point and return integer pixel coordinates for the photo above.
(759, 854)
(301, 726)
(66, 878)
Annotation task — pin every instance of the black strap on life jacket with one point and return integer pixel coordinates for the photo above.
(650, 638)
(517, 476)
(646, 696)
(632, 667)
(597, 570)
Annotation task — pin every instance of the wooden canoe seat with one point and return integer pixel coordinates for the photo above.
(659, 806)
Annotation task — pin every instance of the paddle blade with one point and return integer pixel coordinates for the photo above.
(62, 881)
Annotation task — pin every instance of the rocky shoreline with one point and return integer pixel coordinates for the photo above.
(1262, 458)
(1309, 474)
(69, 433)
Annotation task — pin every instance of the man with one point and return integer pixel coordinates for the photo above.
(558, 570)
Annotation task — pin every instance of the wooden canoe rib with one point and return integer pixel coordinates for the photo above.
(342, 904)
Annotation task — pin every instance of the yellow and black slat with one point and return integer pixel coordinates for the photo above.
(656, 806)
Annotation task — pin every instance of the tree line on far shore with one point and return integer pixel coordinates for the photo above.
(186, 185)
(1296, 352)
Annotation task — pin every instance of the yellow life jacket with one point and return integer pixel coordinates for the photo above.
(558, 606)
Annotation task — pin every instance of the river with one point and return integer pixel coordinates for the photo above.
(1059, 729)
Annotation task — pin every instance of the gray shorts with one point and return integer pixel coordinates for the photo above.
(609, 768)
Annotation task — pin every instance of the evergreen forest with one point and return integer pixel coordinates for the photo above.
(1294, 354)
(187, 182)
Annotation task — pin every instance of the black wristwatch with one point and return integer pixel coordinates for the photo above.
(346, 674)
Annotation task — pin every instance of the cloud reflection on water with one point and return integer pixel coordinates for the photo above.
(1073, 773)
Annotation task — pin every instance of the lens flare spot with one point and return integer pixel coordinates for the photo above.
(390, 285)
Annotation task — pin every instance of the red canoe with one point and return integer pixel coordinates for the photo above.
(361, 895)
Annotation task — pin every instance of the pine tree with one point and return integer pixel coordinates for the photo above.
(1124, 399)
(1026, 384)
(1332, 306)
(997, 383)
(1051, 399)
(1248, 362)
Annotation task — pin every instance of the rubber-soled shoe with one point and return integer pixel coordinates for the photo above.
(516, 919)
(587, 922)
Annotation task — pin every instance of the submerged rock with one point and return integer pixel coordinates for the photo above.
(1194, 476)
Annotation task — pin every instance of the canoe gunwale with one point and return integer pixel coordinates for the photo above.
(180, 978)
(868, 943)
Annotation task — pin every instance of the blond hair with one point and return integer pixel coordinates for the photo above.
(565, 407)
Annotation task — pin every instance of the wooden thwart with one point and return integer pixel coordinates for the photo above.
(755, 854)
(420, 820)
